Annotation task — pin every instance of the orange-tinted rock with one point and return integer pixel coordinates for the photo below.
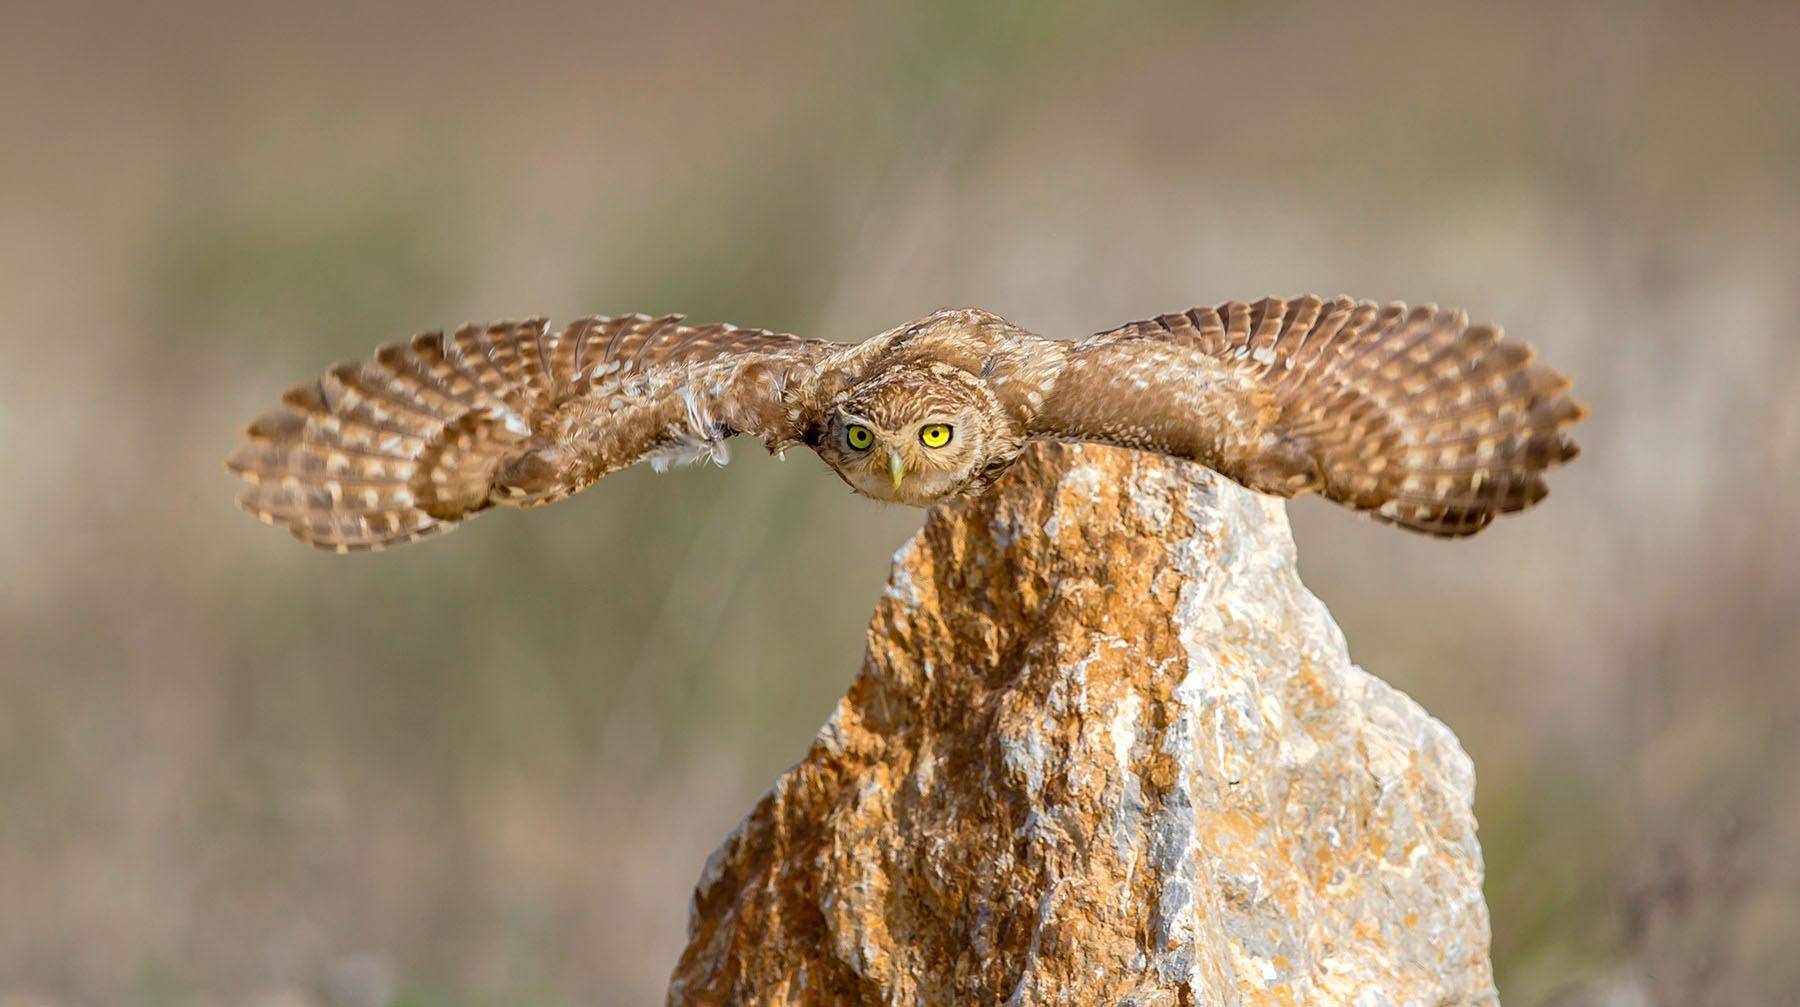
(1105, 748)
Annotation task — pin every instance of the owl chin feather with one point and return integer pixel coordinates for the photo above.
(917, 489)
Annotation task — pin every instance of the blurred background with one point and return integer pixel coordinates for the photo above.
(487, 770)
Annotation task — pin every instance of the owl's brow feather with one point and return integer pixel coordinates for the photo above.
(904, 396)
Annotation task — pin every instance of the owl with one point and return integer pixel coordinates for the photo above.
(1412, 416)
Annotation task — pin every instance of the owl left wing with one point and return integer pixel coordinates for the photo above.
(422, 435)
(1412, 415)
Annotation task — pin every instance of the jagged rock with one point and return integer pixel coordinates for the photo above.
(1105, 748)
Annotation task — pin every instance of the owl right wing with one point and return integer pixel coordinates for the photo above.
(1414, 416)
(418, 437)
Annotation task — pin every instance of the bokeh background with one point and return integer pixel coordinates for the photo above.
(487, 770)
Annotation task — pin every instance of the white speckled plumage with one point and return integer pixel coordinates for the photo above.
(1415, 417)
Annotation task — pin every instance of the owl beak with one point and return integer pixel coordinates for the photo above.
(896, 467)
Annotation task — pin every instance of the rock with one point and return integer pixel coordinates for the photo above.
(1105, 748)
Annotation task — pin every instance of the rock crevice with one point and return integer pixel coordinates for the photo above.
(1105, 748)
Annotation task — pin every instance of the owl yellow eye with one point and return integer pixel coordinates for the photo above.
(935, 435)
(860, 437)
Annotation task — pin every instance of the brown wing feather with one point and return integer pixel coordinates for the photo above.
(422, 435)
(1414, 416)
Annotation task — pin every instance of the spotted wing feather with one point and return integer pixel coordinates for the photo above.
(1412, 415)
(424, 434)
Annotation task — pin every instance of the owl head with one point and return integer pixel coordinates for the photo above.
(913, 434)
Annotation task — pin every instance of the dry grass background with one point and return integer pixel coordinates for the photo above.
(487, 770)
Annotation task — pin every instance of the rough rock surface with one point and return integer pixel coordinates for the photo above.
(1105, 748)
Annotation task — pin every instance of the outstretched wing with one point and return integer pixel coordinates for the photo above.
(1414, 416)
(422, 435)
